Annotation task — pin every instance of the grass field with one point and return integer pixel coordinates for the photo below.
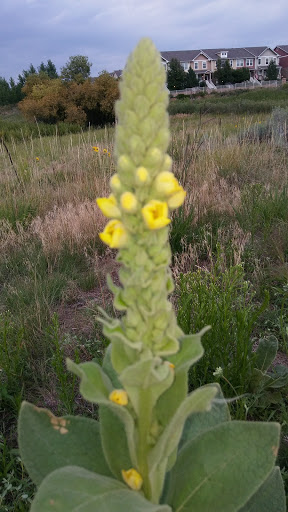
(229, 244)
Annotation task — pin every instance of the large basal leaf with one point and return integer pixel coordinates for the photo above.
(270, 497)
(73, 489)
(266, 352)
(220, 470)
(47, 442)
(198, 422)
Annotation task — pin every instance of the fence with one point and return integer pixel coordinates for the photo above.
(221, 88)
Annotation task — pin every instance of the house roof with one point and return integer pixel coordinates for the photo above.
(232, 53)
(181, 55)
(283, 47)
(258, 50)
(117, 72)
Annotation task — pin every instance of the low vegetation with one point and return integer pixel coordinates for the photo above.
(229, 259)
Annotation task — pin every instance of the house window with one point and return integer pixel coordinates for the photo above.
(204, 64)
(266, 61)
(223, 54)
(259, 61)
(231, 63)
(240, 63)
(185, 65)
(196, 65)
(249, 62)
(275, 59)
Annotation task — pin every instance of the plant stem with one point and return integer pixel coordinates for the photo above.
(145, 413)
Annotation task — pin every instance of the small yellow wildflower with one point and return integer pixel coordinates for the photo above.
(176, 199)
(236, 125)
(119, 396)
(105, 150)
(108, 206)
(115, 182)
(96, 149)
(142, 174)
(132, 478)
(109, 154)
(155, 214)
(128, 202)
(37, 159)
(114, 234)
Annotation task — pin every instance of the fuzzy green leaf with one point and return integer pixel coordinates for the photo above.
(95, 387)
(270, 497)
(266, 352)
(72, 489)
(197, 423)
(47, 443)
(222, 469)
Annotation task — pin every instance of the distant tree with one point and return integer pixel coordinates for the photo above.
(49, 69)
(191, 79)
(272, 72)
(240, 75)
(77, 69)
(223, 73)
(4, 92)
(176, 76)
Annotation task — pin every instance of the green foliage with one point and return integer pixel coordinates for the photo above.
(77, 69)
(272, 72)
(176, 76)
(191, 79)
(223, 73)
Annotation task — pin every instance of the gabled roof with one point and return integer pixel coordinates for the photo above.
(232, 53)
(258, 50)
(283, 47)
(117, 72)
(181, 55)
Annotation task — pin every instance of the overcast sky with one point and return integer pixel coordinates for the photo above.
(32, 31)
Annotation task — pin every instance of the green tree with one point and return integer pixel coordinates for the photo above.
(4, 91)
(240, 75)
(49, 69)
(191, 79)
(223, 74)
(272, 72)
(77, 69)
(176, 76)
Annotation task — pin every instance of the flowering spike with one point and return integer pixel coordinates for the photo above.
(132, 478)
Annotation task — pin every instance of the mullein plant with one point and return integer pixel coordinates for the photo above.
(155, 447)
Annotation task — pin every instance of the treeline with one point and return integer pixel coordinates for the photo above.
(71, 97)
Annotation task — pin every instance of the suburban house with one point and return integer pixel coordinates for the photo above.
(116, 74)
(204, 61)
(283, 58)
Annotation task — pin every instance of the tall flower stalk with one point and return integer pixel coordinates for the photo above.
(154, 448)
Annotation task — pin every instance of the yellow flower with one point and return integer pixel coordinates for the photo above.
(37, 159)
(119, 396)
(132, 478)
(108, 206)
(142, 174)
(176, 199)
(105, 150)
(96, 149)
(155, 214)
(109, 154)
(128, 202)
(115, 182)
(114, 234)
(166, 183)
(235, 125)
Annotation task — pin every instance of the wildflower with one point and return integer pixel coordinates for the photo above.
(218, 372)
(108, 206)
(132, 478)
(142, 174)
(236, 125)
(114, 234)
(37, 159)
(115, 182)
(105, 151)
(128, 202)
(109, 154)
(119, 396)
(155, 214)
(177, 199)
(96, 149)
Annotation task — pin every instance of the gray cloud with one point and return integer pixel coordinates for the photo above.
(32, 31)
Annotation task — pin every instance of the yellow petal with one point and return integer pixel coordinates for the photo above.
(119, 396)
(128, 202)
(177, 199)
(155, 214)
(166, 183)
(108, 206)
(115, 182)
(142, 174)
(114, 234)
(132, 478)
